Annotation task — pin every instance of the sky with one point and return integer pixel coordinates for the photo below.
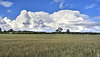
(48, 15)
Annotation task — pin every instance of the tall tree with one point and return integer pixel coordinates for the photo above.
(5, 31)
(0, 30)
(68, 31)
(11, 30)
(59, 30)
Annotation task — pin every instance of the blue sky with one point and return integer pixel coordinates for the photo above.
(77, 15)
(50, 6)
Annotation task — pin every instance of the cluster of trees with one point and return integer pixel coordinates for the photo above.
(11, 30)
(58, 31)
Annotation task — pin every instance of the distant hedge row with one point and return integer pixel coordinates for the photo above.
(58, 31)
(30, 32)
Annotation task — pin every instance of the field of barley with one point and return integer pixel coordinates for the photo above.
(49, 45)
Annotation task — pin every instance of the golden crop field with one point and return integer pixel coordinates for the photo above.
(49, 45)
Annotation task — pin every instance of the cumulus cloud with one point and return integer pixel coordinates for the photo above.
(6, 3)
(43, 21)
(3, 24)
(90, 6)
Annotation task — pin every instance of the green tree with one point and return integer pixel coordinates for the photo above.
(0, 30)
(11, 30)
(5, 31)
(59, 30)
(68, 31)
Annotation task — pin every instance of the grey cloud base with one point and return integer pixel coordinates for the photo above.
(42, 21)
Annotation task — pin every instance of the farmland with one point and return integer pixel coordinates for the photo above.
(49, 45)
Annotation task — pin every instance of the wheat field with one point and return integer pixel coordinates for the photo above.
(49, 45)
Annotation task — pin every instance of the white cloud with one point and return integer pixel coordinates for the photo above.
(61, 6)
(90, 6)
(42, 21)
(61, 3)
(3, 24)
(58, 1)
(6, 3)
(98, 17)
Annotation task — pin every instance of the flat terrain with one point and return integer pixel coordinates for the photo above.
(49, 45)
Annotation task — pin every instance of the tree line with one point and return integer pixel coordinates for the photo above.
(57, 31)
(11, 31)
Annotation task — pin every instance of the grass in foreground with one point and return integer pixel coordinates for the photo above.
(49, 45)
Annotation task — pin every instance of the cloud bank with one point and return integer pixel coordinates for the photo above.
(43, 21)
